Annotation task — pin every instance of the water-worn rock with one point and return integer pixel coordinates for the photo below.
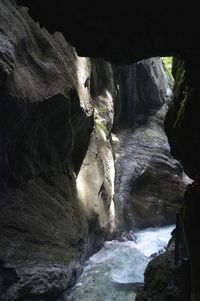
(95, 181)
(163, 280)
(149, 182)
(46, 123)
(145, 87)
(124, 35)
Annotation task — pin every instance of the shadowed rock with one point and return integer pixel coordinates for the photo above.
(46, 123)
(149, 183)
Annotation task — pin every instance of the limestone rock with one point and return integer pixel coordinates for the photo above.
(149, 183)
(162, 280)
(46, 126)
(145, 87)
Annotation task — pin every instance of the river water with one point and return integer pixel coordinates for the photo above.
(113, 273)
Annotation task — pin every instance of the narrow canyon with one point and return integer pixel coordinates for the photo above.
(99, 148)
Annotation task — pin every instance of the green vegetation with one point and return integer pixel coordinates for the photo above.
(100, 125)
(102, 109)
(167, 60)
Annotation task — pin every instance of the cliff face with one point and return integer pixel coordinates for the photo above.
(182, 120)
(149, 183)
(49, 130)
(183, 130)
(145, 87)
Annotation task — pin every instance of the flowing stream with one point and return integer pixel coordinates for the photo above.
(113, 273)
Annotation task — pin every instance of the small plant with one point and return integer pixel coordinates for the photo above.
(103, 109)
(100, 125)
(167, 61)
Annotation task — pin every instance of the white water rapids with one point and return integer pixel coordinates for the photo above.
(110, 274)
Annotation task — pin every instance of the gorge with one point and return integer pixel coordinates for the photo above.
(83, 154)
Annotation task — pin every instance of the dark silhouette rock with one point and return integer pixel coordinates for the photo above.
(162, 280)
(122, 33)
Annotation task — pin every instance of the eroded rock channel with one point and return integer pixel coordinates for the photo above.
(84, 159)
(149, 187)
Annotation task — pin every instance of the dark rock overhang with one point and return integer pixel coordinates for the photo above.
(122, 32)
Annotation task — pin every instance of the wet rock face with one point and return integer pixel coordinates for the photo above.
(46, 124)
(149, 183)
(95, 181)
(167, 285)
(145, 88)
(163, 280)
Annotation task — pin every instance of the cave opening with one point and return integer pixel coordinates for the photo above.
(51, 219)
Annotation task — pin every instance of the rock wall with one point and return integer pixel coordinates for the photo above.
(122, 34)
(182, 120)
(145, 87)
(168, 283)
(95, 181)
(49, 131)
(182, 127)
(56, 159)
(149, 183)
